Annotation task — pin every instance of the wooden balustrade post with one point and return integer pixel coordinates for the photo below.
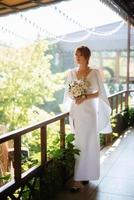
(43, 146)
(62, 133)
(17, 158)
(117, 104)
(108, 138)
(111, 104)
(126, 99)
(121, 102)
(43, 138)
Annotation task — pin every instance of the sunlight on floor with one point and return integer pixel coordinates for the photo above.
(113, 147)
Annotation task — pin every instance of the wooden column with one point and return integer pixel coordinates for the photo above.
(128, 60)
(117, 66)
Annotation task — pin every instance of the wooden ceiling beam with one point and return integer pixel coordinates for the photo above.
(124, 8)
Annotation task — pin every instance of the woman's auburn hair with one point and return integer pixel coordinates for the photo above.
(85, 51)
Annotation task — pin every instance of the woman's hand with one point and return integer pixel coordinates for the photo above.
(79, 100)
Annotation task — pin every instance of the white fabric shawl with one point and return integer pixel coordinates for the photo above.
(104, 110)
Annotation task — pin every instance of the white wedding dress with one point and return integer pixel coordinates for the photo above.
(87, 120)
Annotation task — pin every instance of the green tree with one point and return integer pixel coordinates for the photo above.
(25, 81)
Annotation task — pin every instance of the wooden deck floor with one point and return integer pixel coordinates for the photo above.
(117, 174)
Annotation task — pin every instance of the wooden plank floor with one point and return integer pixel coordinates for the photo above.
(117, 174)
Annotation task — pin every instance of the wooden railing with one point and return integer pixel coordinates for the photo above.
(22, 178)
(118, 103)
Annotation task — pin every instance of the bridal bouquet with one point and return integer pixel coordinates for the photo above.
(78, 88)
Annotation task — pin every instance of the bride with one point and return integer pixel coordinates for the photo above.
(89, 115)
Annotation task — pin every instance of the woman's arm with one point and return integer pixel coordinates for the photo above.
(92, 95)
(85, 97)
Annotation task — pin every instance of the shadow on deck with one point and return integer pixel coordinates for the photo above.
(117, 174)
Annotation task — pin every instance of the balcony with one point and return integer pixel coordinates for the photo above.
(116, 180)
(117, 177)
(116, 160)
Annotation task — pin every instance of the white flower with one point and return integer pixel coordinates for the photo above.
(78, 88)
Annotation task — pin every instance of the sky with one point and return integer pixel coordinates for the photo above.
(54, 20)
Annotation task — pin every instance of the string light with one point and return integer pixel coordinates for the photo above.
(68, 17)
(56, 39)
(43, 32)
(40, 29)
(91, 31)
(8, 31)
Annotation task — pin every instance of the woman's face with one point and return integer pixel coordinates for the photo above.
(80, 59)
